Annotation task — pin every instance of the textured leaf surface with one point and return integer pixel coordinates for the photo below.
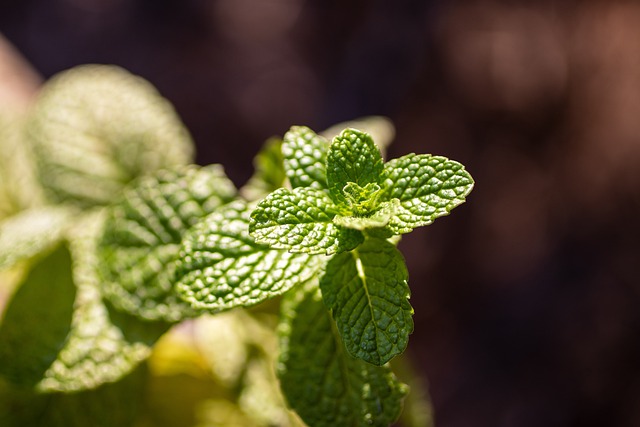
(143, 235)
(31, 232)
(367, 291)
(58, 335)
(221, 267)
(321, 381)
(299, 220)
(380, 128)
(427, 186)
(95, 128)
(269, 174)
(352, 158)
(305, 155)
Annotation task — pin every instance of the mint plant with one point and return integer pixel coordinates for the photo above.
(130, 239)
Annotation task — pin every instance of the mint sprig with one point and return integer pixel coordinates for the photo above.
(360, 193)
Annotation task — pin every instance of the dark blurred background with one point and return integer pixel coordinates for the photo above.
(527, 299)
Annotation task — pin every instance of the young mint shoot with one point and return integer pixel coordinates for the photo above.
(348, 216)
(130, 239)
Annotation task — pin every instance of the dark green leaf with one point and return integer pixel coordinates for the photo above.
(367, 291)
(321, 381)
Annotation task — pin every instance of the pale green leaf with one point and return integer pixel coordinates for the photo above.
(321, 381)
(269, 174)
(143, 234)
(305, 155)
(299, 220)
(427, 186)
(95, 128)
(31, 232)
(353, 158)
(377, 219)
(367, 291)
(221, 267)
(57, 334)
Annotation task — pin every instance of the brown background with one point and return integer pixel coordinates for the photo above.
(527, 299)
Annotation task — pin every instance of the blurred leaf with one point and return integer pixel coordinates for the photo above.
(57, 335)
(115, 404)
(95, 128)
(19, 186)
(322, 382)
(221, 267)
(31, 232)
(269, 172)
(38, 320)
(427, 186)
(141, 242)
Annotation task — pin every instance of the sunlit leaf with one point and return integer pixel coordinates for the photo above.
(221, 267)
(95, 128)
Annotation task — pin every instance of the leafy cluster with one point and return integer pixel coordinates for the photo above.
(127, 238)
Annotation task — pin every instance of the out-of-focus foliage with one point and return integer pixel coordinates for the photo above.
(128, 241)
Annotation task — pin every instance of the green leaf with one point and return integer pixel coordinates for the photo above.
(367, 291)
(57, 334)
(37, 320)
(142, 239)
(95, 128)
(378, 219)
(427, 186)
(321, 381)
(269, 172)
(113, 404)
(299, 220)
(380, 128)
(305, 155)
(221, 267)
(31, 232)
(352, 158)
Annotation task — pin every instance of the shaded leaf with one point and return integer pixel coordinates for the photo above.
(142, 238)
(321, 381)
(367, 291)
(269, 174)
(221, 267)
